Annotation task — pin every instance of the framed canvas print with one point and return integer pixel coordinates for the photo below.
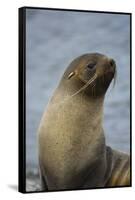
(74, 99)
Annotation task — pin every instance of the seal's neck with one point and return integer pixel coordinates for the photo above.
(83, 108)
(77, 138)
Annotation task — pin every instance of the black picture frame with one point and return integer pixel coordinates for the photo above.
(22, 93)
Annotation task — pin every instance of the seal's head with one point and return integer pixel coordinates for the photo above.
(90, 73)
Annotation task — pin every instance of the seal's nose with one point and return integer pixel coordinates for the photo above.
(112, 63)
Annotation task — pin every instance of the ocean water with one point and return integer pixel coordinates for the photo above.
(53, 40)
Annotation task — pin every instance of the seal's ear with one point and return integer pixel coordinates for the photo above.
(71, 74)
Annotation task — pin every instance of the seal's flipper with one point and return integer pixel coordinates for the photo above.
(119, 166)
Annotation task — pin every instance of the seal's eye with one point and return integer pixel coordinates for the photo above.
(91, 65)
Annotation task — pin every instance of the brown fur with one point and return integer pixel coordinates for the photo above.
(72, 149)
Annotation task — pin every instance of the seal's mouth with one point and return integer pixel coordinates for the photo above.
(103, 79)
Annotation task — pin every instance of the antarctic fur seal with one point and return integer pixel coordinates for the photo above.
(72, 148)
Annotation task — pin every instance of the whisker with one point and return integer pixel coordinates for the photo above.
(80, 90)
(93, 90)
(114, 78)
(85, 86)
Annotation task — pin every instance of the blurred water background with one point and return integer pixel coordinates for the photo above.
(53, 40)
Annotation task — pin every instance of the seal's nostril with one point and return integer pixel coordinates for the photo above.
(112, 62)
